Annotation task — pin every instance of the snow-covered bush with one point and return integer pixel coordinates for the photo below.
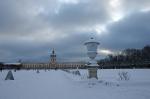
(37, 71)
(123, 75)
(108, 83)
(76, 72)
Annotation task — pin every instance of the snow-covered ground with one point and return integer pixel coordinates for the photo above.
(63, 85)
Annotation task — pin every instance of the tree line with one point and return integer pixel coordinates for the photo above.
(130, 56)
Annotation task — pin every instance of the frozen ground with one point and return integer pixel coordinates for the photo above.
(62, 85)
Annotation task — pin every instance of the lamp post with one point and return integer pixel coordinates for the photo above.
(91, 46)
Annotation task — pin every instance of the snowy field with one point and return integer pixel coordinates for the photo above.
(63, 85)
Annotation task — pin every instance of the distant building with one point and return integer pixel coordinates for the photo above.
(53, 64)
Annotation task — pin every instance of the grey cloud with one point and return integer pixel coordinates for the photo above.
(131, 32)
(21, 17)
(83, 14)
(27, 17)
(130, 6)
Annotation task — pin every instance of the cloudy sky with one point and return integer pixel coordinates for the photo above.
(29, 29)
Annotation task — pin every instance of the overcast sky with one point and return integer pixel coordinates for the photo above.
(30, 29)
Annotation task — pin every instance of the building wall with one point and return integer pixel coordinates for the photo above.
(50, 66)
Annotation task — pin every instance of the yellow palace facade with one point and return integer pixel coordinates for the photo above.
(53, 64)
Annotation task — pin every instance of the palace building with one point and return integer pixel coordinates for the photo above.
(53, 64)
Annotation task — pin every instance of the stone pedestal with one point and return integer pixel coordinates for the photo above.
(92, 73)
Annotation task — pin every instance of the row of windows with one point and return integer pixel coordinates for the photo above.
(52, 65)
